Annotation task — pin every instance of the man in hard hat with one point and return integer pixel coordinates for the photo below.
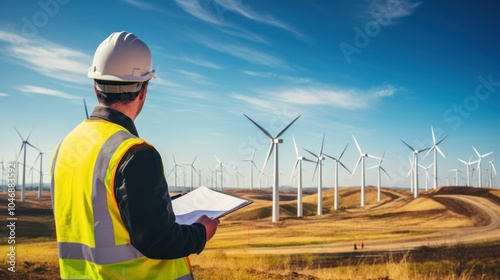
(113, 213)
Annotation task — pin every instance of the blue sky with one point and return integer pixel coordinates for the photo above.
(382, 70)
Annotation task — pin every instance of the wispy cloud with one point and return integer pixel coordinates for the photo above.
(295, 80)
(3, 94)
(213, 12)
(238, 7)
(140, 4)
(350, 99)
(47, 91)
(46, 58)
(196, 60)
(195, 77)
(395, 8)
(243, 52)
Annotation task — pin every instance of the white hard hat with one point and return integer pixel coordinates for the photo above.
(122, 57)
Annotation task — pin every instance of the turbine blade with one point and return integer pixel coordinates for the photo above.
(487, 154)
(306, 159)
(374, 157)
(217, 159)
(322, 142)
(194, 159)
(260, 127)
(477, 153)
(32, 146)
(284, 129)
(315, 168)
(345, 167)
(85, 105)
(343, 151)
(462, 161)
(433, 136)
(383, 155)
(253, 156)
(357, 145)
(175, 162)
(313, 154)
(493, 167)
(271, 147)
(356, 166)
(386, 172)
(329, 156)
(439, 142)
(439, 150)
(295, 145)
(429, 151)
(18, 133)
(293, 171)
(408, 145)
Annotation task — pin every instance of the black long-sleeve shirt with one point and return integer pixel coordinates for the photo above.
(141, 192)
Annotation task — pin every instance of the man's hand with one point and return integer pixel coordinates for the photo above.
(210, 225)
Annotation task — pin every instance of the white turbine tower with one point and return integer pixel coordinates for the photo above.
(40, 156)
(298, 162)
(319, 161)
(23, 146)
(274, 145)
(426, 175)
(336, 186)
(175, 170)
(436, 149)
(415, 167)
(379, 167)
(480, 178)
(468, 165)
(192, 169)
(252, 165)
(361, 159)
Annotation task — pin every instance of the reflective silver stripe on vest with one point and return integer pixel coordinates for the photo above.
(105, 252)
(185, 277)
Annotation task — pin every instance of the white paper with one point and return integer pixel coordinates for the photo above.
(204, 201)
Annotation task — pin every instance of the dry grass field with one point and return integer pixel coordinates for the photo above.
(449, 233)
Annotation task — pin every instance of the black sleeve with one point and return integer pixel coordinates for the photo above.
(141, 193)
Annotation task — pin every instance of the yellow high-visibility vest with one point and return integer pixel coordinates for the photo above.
(92, 239)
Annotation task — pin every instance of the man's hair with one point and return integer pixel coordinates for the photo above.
(112, 98)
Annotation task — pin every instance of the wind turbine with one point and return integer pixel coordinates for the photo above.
(361, 159)
(480, 185)
(336, 186)
(192, 169)
(85, 105)
(415, 167)
(426, 175)
(274, 145)
(221, 172)
(40, 155)
(175, 170)
(492, 169)
(379, 167)
(23, 146)
(435, 148)
(456, 170)
(2, 179)
(252, 165)
(468, 165)
(319, 162)
(298, 162)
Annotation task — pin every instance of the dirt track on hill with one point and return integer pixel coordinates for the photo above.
(486, 219)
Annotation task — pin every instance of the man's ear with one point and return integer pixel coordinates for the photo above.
(142, 92)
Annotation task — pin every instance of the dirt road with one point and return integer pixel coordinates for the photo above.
(489, 229)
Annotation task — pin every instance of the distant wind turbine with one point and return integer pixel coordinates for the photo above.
(175, 170)
(435, 148)
(319, 162)
(379, 167)
(298, 162)
(274, 145)
(192, 169)
(468, 165)
(426, 175)
(480, 179)
(415, 167)
(40, 156)
(336, 186)
(456, 170)
(361, 159)
(23, 146)
(252, 165)
(221, 172)
(492, 170)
